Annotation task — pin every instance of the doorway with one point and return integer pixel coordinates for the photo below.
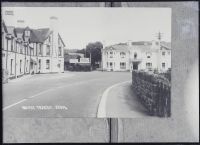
(135, 66)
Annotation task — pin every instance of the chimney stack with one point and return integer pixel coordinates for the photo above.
(9, 18)
(129, 43)
(21, 23)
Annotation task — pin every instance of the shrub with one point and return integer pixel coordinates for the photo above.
(154, 92)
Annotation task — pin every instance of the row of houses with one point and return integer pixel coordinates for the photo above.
(28, 51)
(142, 55)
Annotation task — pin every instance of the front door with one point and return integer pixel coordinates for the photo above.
(135, 66)
(111, 66)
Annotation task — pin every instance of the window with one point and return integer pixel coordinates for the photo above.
(27, 50)
(17, 47)
(47, 64)
(3, 54)
(163, 53)
(11, 66)
(58, 41)
(163, 65)
(59, 64)
(21, 48)
(111, 65)
(168, 52)
(32, 51)
(20, 66)
(27, 33)
(27, 66)
(135, 55)
(48, 50)
(12, 48)
(40, 49)
(2, 45)
(49, 39)
(107, 64)
(148, 65)
(122, 65)
(122, 54)
(39, 67)
(111, 54)
(148, 54)
(60, 51)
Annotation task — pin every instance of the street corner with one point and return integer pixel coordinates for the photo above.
(119, 100)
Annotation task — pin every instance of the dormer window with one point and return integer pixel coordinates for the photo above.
(135, 55)
(148, 55)
(122, 54)
(27, 33)
(111, 54)
(49, 38)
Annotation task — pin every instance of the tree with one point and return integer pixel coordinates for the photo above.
(95, 50)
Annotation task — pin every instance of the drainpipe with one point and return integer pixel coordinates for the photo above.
(30, 61)
(7, 54)
(37, 57)
(25, 58)
(15, 59)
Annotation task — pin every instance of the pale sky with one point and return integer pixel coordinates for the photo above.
(80, 25)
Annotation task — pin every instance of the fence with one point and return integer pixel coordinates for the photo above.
(154, 92)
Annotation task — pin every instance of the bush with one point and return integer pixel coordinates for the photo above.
(78, 67)
(154, 92)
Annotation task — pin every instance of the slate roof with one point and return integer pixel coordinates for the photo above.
(119, 47)
(142, 45)
(61, 39)
(166, 45)
(4, 26)
(10, 30)
(143, 48)
(36, 35)
(39, 35)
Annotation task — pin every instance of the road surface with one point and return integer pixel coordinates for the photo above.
(70, 94)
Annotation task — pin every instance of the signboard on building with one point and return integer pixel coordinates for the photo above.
(73, 60)
(84, 60)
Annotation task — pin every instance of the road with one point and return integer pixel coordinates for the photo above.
(70, 94)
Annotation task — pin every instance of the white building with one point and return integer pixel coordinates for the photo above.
(140, 55)
(26, 50)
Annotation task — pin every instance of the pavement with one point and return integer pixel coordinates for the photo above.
(69, 94)
(123, 103)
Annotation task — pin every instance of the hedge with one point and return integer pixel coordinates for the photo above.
(78, 67)
(154, 92)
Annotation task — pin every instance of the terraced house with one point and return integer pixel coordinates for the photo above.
(29, 51)
(148, 56)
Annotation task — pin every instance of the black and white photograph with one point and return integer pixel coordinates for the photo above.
(61, 62)
(86, 62)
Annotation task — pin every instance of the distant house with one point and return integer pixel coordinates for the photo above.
(27, 50)
(71, 55)
(140, 55)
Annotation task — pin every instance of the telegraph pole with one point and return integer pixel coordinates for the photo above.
(90, 60)
(159, 35)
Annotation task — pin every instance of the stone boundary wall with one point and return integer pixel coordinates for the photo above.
(154, 91)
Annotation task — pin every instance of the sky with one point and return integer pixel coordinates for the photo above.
(79, 26)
